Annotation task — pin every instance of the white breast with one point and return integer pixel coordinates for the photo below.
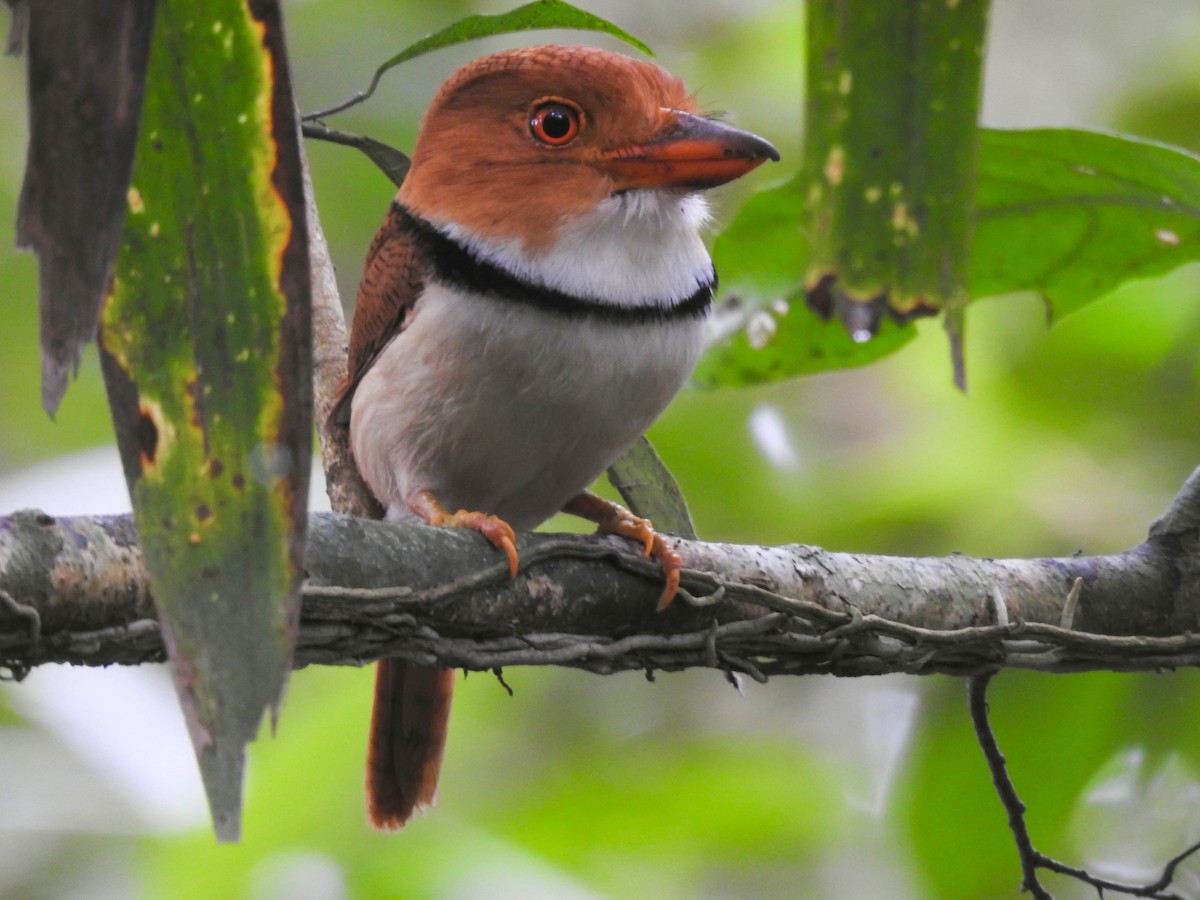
(639, 248)
(511, 409)
(504, 408)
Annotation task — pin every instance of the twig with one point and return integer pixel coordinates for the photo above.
(999, 607)
(1168, 874)
(704, 600)
(498, 674)
(355, 99)
(17, 670)
(21, 611)
(977, 703)
(392, 162)
(347, 492)
(1031, 858)
(847, 614)
(1068, 616)
(1183, 514)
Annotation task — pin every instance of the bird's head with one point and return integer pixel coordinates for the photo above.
(520, 144)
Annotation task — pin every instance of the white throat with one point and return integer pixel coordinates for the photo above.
(635, 249)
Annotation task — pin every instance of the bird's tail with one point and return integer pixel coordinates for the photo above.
(408, 736)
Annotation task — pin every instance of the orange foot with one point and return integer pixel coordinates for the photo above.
(495, 529)
(614, 519)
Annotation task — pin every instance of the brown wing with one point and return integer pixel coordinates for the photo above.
(393, 278)
(412, 702)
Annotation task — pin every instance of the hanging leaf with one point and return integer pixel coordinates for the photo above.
(764, 331)
(1069, 214)
(534, 16)
(205, 346)
(87, 70)
(540, 14)
(890, 160)
(878, 221)
(650, 490)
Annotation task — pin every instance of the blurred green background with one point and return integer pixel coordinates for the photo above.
(580, 786)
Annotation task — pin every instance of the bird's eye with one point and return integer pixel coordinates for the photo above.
(554, 123)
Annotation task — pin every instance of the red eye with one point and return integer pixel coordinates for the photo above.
(554, 123)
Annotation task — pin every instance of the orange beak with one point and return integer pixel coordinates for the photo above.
(692, 152)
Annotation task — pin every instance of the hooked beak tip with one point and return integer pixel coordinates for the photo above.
(693, 152)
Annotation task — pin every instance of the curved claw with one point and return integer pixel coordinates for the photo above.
(495, 529)
(656, 547)
(671, 563)
(635, 528)
(614, 519)
(498, 532)
(643, 530)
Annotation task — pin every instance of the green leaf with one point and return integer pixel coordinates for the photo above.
(392, 162)
(1069, 214)
(787, 340)
(770, 333)
(890, 153)
(650, 490)
(763, 252)
(878, 219)
(1074, 214)
(205, 348)
(533, 16)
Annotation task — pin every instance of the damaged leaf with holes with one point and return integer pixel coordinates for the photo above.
(1072, 215)
(205, 350)
(762, 329)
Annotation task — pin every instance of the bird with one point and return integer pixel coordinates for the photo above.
(535, 297)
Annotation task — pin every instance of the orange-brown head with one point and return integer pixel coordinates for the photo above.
(520, 143)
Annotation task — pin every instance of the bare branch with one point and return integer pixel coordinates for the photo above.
(1031, 858)
(74, 590)
(347, 492)
(441, 596)
(1183, 515)
(977, 703)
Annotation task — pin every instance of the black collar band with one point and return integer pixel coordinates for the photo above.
(457, 266)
